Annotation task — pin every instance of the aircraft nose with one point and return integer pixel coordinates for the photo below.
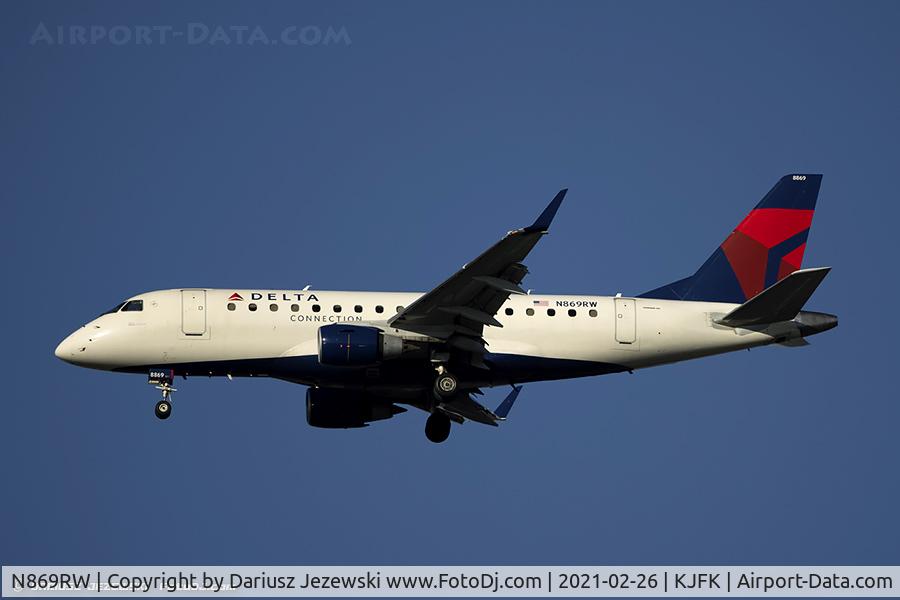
(62, 350)
(67, 349)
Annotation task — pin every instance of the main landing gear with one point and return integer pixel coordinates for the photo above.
(162, 379)
(437, 427)
(445, 385)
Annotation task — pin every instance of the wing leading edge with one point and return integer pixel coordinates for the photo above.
(458, 309)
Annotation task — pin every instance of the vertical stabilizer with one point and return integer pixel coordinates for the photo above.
(764, 248)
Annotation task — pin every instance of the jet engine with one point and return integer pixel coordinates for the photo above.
(345, 409)
(356, 345)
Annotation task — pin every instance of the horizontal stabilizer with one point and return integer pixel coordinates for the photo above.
(779, 302)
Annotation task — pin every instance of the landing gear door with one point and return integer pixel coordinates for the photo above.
(193, 312)
(626, 322)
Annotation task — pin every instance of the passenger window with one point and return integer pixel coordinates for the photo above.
(379, 309)
(357, 308)
(551, 312)
(316, 308)
(337, 308)
(252, 307)
(400, 309)
(509, 311)
(295, 307)
(273, 307)
(529, 312)
(231, 306)
(133, 306)
(592, 312)
(572, 312)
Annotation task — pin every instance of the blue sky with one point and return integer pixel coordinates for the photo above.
(385, 161)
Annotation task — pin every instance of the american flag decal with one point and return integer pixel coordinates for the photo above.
(540, 302)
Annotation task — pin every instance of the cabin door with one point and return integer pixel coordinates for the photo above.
(193, 312)
(626, 322)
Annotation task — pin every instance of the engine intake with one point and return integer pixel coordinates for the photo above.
(356, 345)
(343, 409)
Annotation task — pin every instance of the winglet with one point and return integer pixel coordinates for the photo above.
(543, 222)
(508, 402)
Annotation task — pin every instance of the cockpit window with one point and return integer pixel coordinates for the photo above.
(127, 306)
(133, 306)
(114, 309)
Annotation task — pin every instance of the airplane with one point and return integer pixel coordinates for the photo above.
(363, 354)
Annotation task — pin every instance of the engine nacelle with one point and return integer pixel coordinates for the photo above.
(356, 345)
(345, 409)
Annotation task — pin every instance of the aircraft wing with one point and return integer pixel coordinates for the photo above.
(458, 309)
(463, 407)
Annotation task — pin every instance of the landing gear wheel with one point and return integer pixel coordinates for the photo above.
(445, 385)
(437, 428)
(163, 409)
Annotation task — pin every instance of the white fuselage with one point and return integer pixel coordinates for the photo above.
(203, 331)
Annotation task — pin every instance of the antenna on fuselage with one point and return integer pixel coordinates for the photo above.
(306, 287)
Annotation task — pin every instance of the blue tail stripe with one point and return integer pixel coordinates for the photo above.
(671, 291)
(793, 191)
(778, 252)
(715, 281)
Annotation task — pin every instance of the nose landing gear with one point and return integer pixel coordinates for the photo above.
(163, 409)
(162, 379)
